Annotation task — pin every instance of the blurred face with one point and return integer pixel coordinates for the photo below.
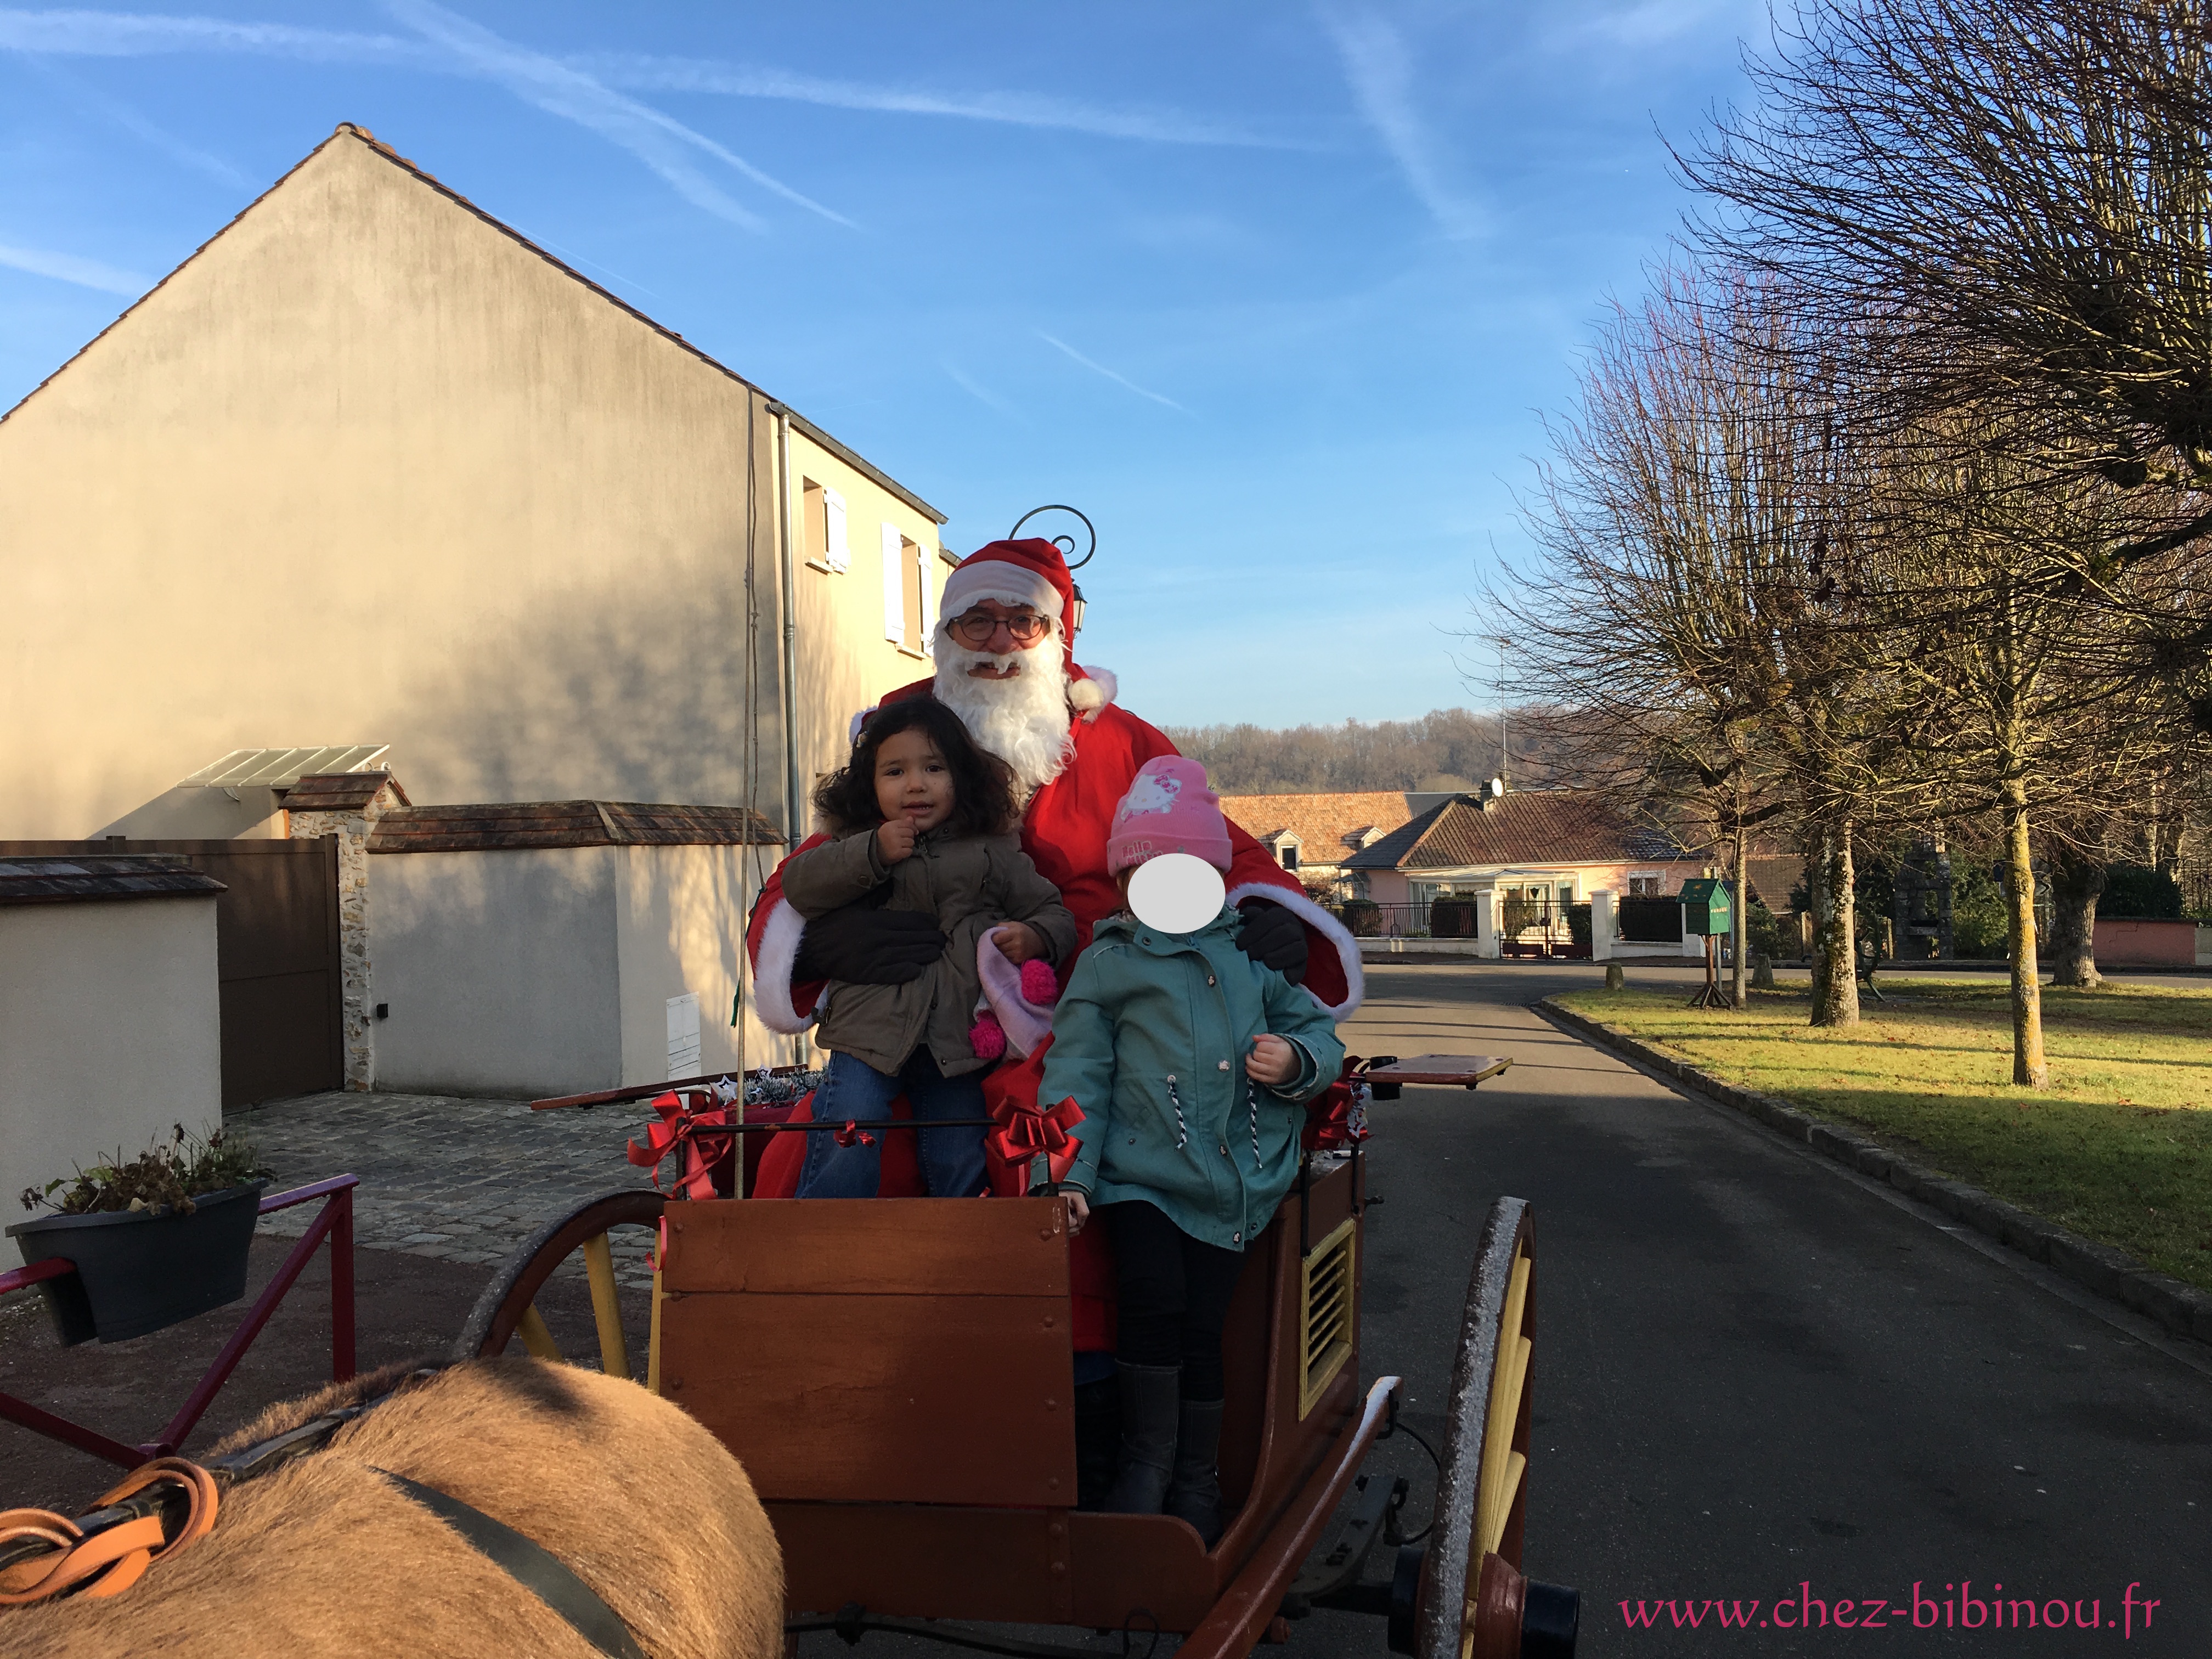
(912, 780)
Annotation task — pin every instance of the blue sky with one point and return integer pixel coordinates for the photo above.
(1273, 292)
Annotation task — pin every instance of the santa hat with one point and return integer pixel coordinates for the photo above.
(1030, 572)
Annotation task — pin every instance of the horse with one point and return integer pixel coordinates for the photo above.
(330, 1555)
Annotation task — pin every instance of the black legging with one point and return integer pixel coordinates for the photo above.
(1174, 1296)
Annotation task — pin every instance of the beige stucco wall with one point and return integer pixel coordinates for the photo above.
(499, 971)
(668, 941)
(368, 469)
(846, 658)
(549, 971)
(110, 1032)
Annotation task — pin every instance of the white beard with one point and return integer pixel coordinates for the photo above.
(1023, 720)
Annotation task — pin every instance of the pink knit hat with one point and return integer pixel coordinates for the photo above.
(1169, 809)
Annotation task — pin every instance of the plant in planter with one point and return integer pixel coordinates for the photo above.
(154, 1240)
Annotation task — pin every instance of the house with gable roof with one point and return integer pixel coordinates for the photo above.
(371, 465)
(1540, 851)
(1312, 834)
(370, 462)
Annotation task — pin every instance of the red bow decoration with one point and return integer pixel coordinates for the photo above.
(1338, 1115)
(681, 1126)
(851, 1134)
(1026, 1130)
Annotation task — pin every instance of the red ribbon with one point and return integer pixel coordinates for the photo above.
(1024, 1131)
(1338, 1115)
(851, 1134)
(681, 1126)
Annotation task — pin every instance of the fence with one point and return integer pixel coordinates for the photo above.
(1527, 927)
(1650, 920)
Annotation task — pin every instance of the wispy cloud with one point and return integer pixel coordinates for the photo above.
(1024, 109)
(68, 268)
(1118, 380)
(1380, 72)
(124, 34)
(990, 399)
(658, 140)
(138, 126)
(449, 44)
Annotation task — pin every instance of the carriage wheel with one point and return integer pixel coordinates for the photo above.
(508, 1307)
(1473, 1603)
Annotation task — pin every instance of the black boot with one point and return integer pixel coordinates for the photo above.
(1195, 1488)
(1097, 1440)
(1148, 1437)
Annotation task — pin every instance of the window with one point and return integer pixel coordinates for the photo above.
(1644, 886)
(1289, 853)
(821, 526)
(905, 587)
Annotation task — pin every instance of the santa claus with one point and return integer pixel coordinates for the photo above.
(1006, 664)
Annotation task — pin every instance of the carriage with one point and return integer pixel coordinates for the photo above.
(895, 1375)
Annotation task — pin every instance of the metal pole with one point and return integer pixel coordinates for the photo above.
(794, 793)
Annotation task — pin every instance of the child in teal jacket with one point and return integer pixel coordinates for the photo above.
(1192, 1065)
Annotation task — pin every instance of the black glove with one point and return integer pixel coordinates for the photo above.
(864, 946)
(1272, 937)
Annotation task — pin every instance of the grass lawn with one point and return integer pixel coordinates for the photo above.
(2119, 1148)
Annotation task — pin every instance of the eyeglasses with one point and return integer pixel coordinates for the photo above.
(975, 628)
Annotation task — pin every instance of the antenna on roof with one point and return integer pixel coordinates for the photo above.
(1504, 765)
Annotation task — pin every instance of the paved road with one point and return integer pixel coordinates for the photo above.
(1755, 1371)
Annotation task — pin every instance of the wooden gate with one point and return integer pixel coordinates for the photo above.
(276, 956)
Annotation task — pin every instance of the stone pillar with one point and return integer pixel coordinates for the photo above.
(1485, 923)
(1604, 925)
(327, 807)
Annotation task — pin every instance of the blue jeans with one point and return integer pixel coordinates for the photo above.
(852, 1091)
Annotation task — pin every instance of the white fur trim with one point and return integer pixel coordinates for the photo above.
(1347, 948)
(853, 730)
(1106, 681)
(1086, 694)
(997, 579)
(779, 953)
(1026, 1025)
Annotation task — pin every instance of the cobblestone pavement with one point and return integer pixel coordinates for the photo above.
(459, 1179)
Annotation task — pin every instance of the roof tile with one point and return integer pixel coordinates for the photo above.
(1528, 826)
(510, 826)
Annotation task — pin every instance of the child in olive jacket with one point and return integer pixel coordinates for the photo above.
(923, 819)
(1192, 1064)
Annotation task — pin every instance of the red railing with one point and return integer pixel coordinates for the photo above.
(335, 1223)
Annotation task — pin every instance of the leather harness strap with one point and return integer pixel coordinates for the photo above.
(532, 1565)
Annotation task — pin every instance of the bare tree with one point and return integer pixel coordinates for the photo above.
(2021, 189)
(1995, 572)
(1690, 624)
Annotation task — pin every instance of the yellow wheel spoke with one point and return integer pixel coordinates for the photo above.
(1502, 1466)
(535, 1337)
(652, 1342)
(1516, 1471)
(606, 1307)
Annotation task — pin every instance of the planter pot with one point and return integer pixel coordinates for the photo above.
(142, 1271)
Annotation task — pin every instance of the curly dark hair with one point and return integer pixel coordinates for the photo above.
(983, 802)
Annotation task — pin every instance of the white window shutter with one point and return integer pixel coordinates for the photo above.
(839, 555)
(894, 586)
(927, 643)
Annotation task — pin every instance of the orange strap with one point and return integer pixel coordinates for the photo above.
(112, 1560)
